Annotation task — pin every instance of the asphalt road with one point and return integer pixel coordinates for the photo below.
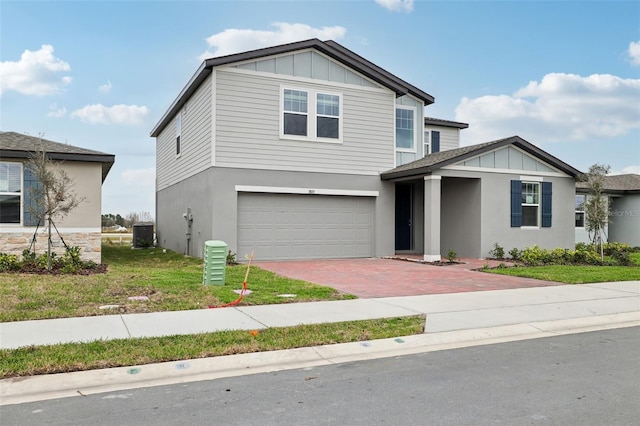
(581, 379)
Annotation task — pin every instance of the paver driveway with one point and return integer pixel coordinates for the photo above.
(375, 277)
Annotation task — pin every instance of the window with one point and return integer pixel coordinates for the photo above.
(580, 199)
(306, 119)
(295, 112)
(426, 143)
(178, 133)
(405, 125)
(531, 204)
(10, 192)
(431, 142)
(328, 116)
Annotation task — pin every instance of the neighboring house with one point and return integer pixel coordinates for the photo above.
(623, 194)
(81, 227)
(308, 150)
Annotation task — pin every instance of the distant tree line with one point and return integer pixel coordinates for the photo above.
(110, 220)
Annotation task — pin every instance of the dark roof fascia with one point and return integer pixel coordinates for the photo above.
(107, 160)
(329, 48)
(426, 170)
(444, 123)
(513, 140)
(189, 89)
(548, 158)
(352, 57)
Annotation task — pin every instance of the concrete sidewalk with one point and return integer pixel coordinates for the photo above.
(445, 312)
(453, 321)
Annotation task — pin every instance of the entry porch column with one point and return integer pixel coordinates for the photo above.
(432, 218)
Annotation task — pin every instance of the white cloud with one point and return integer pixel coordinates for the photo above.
(560, 107)
(139, 177)
(36, 73)
(105, 88)
(634, 52)
(116, 114)
(56, 112)
(397, 5)
(235, 40)
(635, 169)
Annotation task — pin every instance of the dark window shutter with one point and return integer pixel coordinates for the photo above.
(516, 203)
(32, 186)
(546, 204)
(435, 141)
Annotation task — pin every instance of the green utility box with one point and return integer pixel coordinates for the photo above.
(215, 262)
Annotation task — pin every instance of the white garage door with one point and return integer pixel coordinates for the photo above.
(288, 226)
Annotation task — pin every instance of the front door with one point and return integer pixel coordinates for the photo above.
(404, 216)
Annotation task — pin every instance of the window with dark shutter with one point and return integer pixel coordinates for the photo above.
(516, 203)
(435, 141)
(32, 189)
(546, 204)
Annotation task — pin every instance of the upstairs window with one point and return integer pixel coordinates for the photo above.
(328, 116)
(295, 112)
(580, 200)
(405, 129)
(311, 115)
(178, 133)
(431, 142)
(426, 143)
(10, 192)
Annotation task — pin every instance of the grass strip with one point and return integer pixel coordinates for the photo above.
(573, 274)
(61, 358)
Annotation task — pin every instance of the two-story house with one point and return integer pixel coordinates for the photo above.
(308, 150)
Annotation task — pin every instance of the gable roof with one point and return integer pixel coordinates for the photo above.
(432, 162)
(616, 184)
(18, 145)
(444, 123)
(330, 48)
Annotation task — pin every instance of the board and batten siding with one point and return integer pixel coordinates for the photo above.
(195, 140)
(449, 137)
(248, 127)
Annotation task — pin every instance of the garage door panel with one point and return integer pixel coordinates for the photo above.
(288, 226)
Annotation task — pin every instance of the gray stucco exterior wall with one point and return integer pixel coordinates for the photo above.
(624, 223)
(495, 213)
(213, 200)
(461, 201)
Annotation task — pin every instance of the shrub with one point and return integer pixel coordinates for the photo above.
(497, 251)
(231, 258)
(9, 262)
(514, 253)
(451, 256)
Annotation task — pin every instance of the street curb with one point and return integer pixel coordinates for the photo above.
(82, 383)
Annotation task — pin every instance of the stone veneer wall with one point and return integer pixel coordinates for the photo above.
(89, 242)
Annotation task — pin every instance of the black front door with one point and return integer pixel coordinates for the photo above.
(404, 216)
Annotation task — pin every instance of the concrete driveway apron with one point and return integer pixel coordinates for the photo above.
(376, 277)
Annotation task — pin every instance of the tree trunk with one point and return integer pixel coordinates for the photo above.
(49, 245)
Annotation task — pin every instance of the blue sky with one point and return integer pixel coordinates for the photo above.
(564, 75)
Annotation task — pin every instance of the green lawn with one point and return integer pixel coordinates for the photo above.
(571, 274)
(128, 352)
(170, 280)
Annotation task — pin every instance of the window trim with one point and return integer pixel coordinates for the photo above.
(538, 206)
(426, 142)
(312, 115)
(415, 129)
(20, 194)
